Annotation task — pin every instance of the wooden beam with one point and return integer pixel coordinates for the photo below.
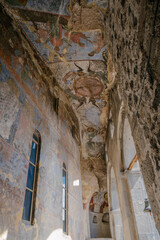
(134, 160)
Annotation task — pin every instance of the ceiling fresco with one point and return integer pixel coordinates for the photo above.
(54, 41)
(78, 60)
(85, 83)
(52, 6)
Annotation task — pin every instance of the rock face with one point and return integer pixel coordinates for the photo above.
(132, 38)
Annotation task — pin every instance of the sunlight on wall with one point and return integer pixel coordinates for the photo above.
(58, 235)
(3, 236)
(76, 182)
(116, 212)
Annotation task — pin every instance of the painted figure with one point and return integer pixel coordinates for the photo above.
(104, 205)
(94, 202)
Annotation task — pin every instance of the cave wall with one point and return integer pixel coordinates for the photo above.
(26, 104)
(132, 43)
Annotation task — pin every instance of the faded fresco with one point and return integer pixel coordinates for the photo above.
(99, 202)
(19, 116)
(26, 104)
(55, 42)
(75, 59)
(99, 215)
(85, 82)
(54, 6)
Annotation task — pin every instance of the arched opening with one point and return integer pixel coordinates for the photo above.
(144, 219)
(99, 215)
(115, 209)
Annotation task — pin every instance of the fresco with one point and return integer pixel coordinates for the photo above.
(99, 3)
(19, 3)
(99, 202)
(92, 115)
(54, 6)
(77, 60)
(84, 82)
(55, 41)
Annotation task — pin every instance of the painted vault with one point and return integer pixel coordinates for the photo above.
(78, 60)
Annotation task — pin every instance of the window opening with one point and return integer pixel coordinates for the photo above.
(105, 218)
(30, 186)
(64, 197)
(95, 220)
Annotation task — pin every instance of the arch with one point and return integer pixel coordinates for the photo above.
(129, 150)
(98, 215)
(95, 220)
(144, 220)
(105, 218)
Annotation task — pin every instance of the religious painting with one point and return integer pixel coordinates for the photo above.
(99, 202)
(55, 41)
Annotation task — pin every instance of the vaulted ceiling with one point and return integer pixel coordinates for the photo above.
(69, 38)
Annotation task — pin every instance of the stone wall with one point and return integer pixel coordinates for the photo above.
(26, 104)
(129, 39)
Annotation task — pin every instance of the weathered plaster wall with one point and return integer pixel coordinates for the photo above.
(26, 104)
(73, 48)
(99, 229)
(129, 27)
